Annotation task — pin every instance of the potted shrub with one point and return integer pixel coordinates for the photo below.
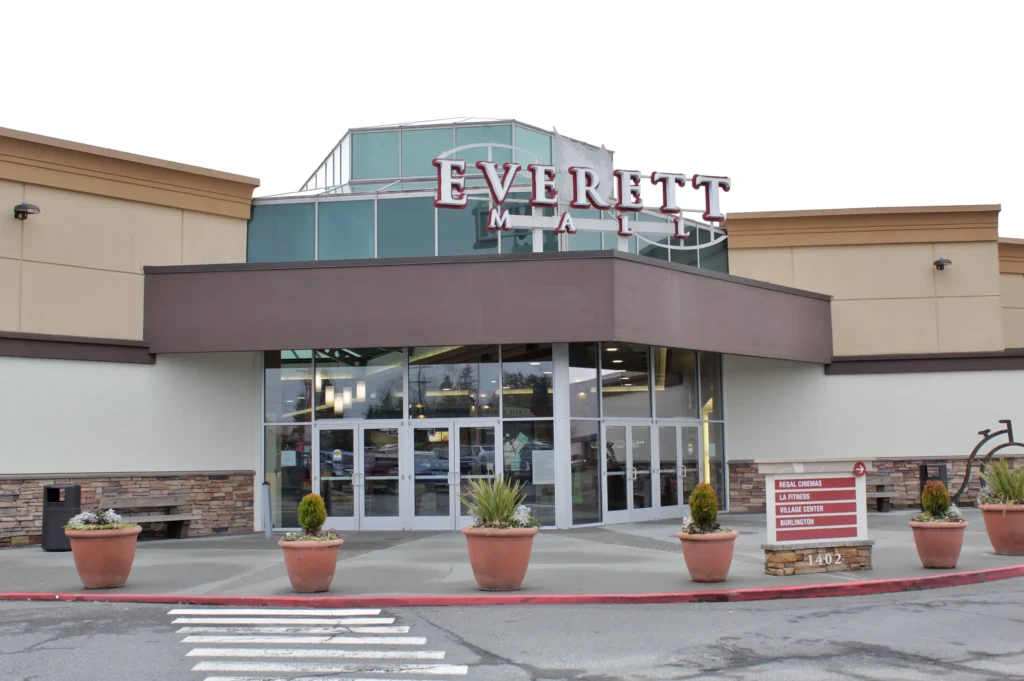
(501, 538)
(103, 546)
(311, 556)
(939, 529)
(1002, 507)
(707, 547)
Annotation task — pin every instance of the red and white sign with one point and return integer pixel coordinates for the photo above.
(859, 468)
(812, 507)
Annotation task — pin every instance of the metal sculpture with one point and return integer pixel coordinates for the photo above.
(986, 436)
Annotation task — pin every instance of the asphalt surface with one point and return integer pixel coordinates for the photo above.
(969, 633)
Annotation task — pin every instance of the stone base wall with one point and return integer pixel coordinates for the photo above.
(746, 488)
(803, 560)
(225, 501)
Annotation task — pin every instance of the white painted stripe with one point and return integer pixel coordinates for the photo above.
(295, 678)
(397, 629)
(299, 653)
(283, 620)
(328, 668)
(269, 612)
(302, 640)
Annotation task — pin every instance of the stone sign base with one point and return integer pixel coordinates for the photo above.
(782, 560)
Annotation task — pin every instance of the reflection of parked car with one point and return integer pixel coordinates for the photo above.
(476, 459)
(336, 462)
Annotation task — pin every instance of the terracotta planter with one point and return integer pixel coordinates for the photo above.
(1005, 527)
(708, 556)
(311, 564)
(103, 558)
(938, 544)
(499, 557)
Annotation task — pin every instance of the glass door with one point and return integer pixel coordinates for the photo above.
(630, 485)
(475, 447)
(691, 464)
(336, 476)
(378, 477)
(357, 476)
(433, 478)
(669, 472)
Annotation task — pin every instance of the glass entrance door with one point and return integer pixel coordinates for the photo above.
(358, 476)
(477, 452)
(669, 472)
(630, 484)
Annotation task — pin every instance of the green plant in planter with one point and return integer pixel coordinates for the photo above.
(703, 511)
(498, 504)
(1004, 484)
(936, 506)
(312, 516)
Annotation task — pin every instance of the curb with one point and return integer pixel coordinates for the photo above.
(864, 588)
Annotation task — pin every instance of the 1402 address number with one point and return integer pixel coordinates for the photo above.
(825, 559)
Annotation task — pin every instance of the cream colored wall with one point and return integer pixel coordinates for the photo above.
(1012, 287)
(76, 268)
(889, 298)
(184, 413)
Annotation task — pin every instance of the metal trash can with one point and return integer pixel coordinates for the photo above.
(61, 503)
(931, 471)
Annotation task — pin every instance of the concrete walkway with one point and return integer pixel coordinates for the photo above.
(619, 559)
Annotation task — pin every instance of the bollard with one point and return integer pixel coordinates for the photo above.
(268, 529)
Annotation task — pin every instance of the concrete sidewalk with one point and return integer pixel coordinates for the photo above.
(619, 559)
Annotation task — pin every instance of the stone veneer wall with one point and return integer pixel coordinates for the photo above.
(224, 499)
(747, 495)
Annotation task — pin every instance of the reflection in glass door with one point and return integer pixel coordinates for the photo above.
(641, 477)
(337, 477)
(630, 484)
(379, 479)
(476, 452)
(357, 477)
(432, 478)
(691, 467)
(669, 472)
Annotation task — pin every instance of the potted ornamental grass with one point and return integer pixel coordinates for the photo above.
(103, 546)
(311, 556)
(939, 528)
(501, 538)
(707, 546)
(1002, 507)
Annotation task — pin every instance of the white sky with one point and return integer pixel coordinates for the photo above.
(803, 105)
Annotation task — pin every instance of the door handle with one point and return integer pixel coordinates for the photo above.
(684, 470)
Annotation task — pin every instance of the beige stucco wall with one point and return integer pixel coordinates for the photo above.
(1012, 287)
(76, 268)
(889, 298)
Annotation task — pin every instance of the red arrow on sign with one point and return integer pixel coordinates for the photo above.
(859, 469)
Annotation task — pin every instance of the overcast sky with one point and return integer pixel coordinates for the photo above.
(803, 105)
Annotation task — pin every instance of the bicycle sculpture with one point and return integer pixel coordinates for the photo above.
(986, 436)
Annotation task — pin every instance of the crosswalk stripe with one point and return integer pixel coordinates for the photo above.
(297, 653)
(397, 629)
(311, 612)
(298, 640)
(295, 678)
(328, 668)
(283, 620)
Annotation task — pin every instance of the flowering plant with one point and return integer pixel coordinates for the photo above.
(498, 504)
(98, 520)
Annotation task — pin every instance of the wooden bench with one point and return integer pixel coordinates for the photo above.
(883, 492)
(177, 523)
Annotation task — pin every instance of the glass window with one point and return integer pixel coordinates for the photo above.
(453, 382)
(536, 144)
(583, 380)
(686, 257)
(287, 468)
(405, 227)
(625, 385)
(528, 449)
(675, 383)
(668, 482)
(287, 387)
(359, 383)
(374, 155)
(346, 230)
(526, 382)
(714, 458)
(464, 232)
(484, 134)
(421, 147)
(585, 453)
(346, 159)
(280, 232)
(714, 257)
(654, 250)
(710, 385)
(585, 241)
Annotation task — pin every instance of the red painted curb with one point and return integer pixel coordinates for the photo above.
(878, 586)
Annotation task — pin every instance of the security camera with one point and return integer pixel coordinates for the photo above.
(23, 210)
(942, 263)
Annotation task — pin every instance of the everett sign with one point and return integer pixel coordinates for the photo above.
(815, 507)
(451, 186)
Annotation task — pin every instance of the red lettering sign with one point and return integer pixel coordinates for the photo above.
(798, 484)
(816, 533)
(812, 495)
(816, 521)
(810, 509)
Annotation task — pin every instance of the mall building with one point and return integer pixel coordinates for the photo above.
(163, 331)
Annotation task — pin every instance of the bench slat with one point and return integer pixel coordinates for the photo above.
(144, 502)
(160, 518)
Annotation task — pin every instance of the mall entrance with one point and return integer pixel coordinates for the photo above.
(379, 476)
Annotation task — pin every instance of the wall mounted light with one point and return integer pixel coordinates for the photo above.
(943, 263)
(23, 210)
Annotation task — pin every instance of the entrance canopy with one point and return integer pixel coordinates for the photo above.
(480, 299)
